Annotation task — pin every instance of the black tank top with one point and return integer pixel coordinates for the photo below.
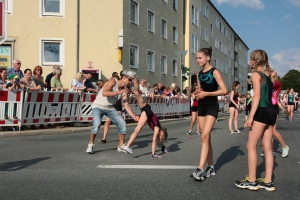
(208, 84)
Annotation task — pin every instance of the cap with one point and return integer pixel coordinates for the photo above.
(129, 73)
(11, 76)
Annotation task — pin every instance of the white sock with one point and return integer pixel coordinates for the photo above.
(190, 131)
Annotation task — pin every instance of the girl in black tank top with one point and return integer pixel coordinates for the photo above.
(210, 86)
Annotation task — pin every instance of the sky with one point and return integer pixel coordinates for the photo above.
(271, 25)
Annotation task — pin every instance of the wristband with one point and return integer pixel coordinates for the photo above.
(154, 155)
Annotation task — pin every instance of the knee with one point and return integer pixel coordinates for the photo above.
(137, 129)
(205, 138)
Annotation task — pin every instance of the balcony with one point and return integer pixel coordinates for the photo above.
(236, 49)
(236, 78)
(236, 64)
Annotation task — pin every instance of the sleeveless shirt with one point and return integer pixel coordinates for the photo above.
(208, 84)
(105, 102)
(290, 98)
(265, 91)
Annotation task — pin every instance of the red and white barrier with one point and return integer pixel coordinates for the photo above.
(41, 107)
(12, 102)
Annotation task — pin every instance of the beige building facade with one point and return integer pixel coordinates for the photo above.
(107, 36)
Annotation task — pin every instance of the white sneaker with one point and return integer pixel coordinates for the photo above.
(199, 133)
(120, 149)
(90, 148)
(231, 131)
(285, 151)
(127, 149)
(237, 131)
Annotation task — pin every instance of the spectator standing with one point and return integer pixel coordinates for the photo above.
(89, 87)
(78, 83)
(56, 81)
(27, 81)
(100, 84)
(3, 78)
(160, 88)
(143, 87)
(38, 78)
(49, 77)
(16, 69)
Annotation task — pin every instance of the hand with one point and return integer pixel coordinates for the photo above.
(136, 118)
(249, 122)
(39, 87)
(237, 106)
(201, 94)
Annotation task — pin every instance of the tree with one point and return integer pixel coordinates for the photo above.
(291, 80)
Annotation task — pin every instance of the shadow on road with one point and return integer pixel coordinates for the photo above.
(17, 165)
(227, 156)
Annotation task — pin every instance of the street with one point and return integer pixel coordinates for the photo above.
(57, 167)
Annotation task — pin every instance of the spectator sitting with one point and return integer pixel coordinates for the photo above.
(16, 69)
(3, 78)
(49, 77)
(89, 87)
(56, 81)
(143, 87)
(38, 78)
(78, 83)
(27, 82)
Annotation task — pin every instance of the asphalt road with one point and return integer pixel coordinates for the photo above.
(57, 167)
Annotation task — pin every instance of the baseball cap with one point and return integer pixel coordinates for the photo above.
(12, 76)
(129, 73)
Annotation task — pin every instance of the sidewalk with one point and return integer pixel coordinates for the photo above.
(70, 130)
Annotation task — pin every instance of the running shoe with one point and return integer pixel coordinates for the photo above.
(121, 149)
(103, 141)
(267, 186)
(164, 149)
(237, 131)
(285, 151)
(189, 133)
(198, 174)
(127, 149)
(199, 133)
(90, 148)
(246, 184)
(231, 131)
(210, 171)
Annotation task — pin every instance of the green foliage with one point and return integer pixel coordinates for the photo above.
(291, 80)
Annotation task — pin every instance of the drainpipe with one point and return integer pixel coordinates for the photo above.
(77, 34)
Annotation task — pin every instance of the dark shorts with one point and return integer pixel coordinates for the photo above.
(194, 108)
(291, 103)
(276, 107)
(118, 107)
(232, 105)
(248, 109)
(265, 115)
(152, 120)
(211, 108)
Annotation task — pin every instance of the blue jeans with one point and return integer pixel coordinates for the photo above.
(113, 114)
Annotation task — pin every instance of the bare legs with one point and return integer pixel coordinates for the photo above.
(233, 116)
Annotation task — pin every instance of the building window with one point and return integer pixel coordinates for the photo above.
(164, 28)
(9, 7)
(205, 11)
(133, 56)
(175, 5)
(194, 15)
(174, 68)
(163, 61)
(134, 12)
(175, 34)
(212, 30)
(194, 43)
(151, 21)
(217, 22)
(150, 61)
(53, 7)
(205, 34)
(52, 52)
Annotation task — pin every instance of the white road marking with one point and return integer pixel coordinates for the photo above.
(147, 166)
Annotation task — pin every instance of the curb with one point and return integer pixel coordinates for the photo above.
(68, 130)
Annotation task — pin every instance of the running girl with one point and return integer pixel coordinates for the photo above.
(234, 108)
(210, 86)
(148, 116)
(261, 121)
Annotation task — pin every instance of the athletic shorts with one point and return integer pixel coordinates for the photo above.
(276, 107)
(118, 107)
(211, 108)
(291, 103)
(232, 105)
(265, 115)
(194, 108)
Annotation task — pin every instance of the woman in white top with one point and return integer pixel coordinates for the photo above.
(27, 82)
(78, 82)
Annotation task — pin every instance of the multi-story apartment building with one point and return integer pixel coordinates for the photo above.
(107, 36)
(206, 27)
